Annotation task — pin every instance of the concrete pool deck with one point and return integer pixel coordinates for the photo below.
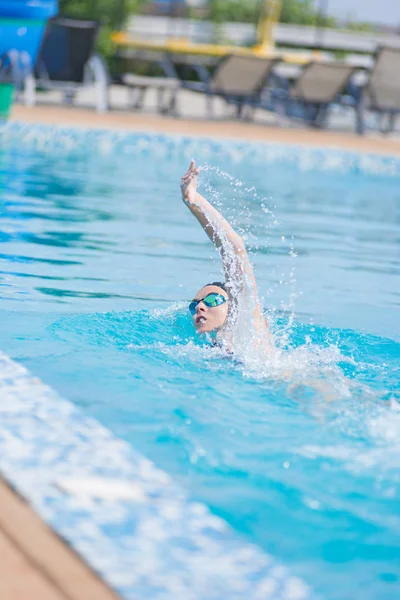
(35, 563)
(251, 131)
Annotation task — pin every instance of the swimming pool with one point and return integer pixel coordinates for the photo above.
(300, 456)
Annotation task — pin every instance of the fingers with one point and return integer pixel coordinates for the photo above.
(192, 168)
(190, 174)
(186, 177)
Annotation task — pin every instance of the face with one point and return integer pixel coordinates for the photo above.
(208, 318)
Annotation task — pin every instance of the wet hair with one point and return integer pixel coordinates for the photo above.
(220, 284)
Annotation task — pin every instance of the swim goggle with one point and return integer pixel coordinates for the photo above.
(211, 300)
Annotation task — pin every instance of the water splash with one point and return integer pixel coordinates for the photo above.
(241, 334)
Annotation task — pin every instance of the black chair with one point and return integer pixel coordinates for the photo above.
(67, 62)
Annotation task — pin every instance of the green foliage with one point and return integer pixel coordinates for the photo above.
(361, 27)
(340, 54)
(114, 13)
(304, 12)
(301, 12)
(110, 12)
(246, 11)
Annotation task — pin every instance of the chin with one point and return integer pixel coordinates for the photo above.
(201, 330)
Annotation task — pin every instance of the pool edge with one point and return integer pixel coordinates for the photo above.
(201, 128)
(139, 531)
(57, 565)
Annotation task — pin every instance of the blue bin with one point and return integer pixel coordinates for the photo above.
(22, 24)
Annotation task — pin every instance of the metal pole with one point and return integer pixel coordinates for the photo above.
(269, 17)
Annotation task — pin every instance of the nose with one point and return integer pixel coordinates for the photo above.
(201, 307)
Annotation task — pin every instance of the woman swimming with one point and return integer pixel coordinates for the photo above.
(230, 310)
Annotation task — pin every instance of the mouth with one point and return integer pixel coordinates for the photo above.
(200, 320)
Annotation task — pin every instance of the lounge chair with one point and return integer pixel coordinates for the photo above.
(134, 67)
(67, 62)
(309, 98)
(381, 94)
(238, 79)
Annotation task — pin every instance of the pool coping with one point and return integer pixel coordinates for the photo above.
(54, 570)
(102, 142)
(142, 122)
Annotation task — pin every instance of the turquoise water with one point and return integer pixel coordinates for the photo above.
(299, 451)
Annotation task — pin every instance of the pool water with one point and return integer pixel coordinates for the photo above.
(300, 451)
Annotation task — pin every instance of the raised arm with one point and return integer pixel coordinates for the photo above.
(237, 266)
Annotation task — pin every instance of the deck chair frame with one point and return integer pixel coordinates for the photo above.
(226, 82)
(166, 85)
(369, 97)
(319, 86)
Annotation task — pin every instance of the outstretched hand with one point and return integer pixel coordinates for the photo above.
(189, 184)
